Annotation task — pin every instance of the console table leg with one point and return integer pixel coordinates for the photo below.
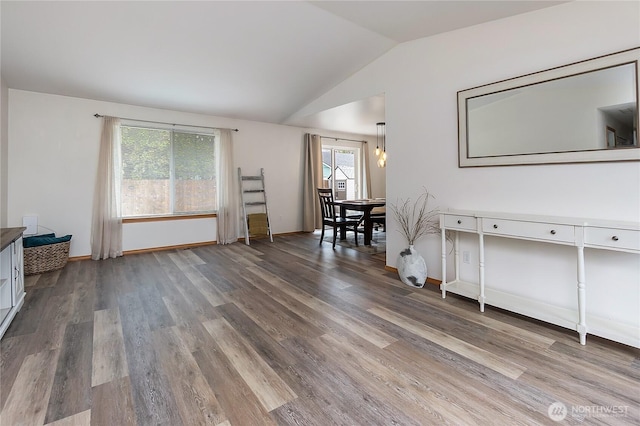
(582, 307)
(481, 297)
(456, 255)
(443, 285)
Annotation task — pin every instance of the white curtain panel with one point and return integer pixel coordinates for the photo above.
(106, 225)
(228, 210)
(311, 219)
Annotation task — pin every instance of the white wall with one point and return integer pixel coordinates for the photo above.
(420, 80)
(4, 150)
(53, 147)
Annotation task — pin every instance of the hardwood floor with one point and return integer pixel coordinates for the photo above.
(290, 333)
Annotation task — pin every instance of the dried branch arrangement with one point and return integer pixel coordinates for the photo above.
(414, 218)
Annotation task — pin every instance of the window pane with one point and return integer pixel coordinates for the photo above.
(326, 168)
(146, 171)
(340, 171)
(194, 168)
(344, 174)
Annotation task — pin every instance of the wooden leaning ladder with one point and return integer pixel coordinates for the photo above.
(254, 197)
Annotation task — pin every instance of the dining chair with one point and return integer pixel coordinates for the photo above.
(329, 217)
(379, 217)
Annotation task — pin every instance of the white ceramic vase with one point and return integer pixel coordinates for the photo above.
(412, 268)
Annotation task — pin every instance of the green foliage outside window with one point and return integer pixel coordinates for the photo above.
(145, 153)
(193, 156)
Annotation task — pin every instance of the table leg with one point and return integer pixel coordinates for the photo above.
(581, 327)
(481, 297)
(368, 227)
(443, 246)
(343, 230)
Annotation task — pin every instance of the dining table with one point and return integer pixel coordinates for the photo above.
(365, 206)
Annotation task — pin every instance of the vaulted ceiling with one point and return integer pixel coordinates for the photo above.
(253, 60)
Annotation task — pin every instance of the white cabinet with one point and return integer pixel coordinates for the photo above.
(576, 232)
(11, 276)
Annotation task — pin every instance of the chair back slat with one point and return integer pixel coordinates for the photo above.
(326, 203)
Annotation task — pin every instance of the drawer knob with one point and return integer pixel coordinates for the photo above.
(553, 232)
(614, 238)
(459, 221)
(495, 226)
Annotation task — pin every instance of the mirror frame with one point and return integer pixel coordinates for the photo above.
(631, 56)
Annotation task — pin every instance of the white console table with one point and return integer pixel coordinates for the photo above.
(580, 233)
(11, 275)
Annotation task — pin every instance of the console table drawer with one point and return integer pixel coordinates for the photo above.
(552, 232)
(612, 238)
(461, 222)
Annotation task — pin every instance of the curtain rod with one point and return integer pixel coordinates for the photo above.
(342, 139)
(162, 122)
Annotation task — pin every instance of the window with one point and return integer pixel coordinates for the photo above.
(167, 172)
(341, 171)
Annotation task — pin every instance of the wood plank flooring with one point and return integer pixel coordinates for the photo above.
(294, 333)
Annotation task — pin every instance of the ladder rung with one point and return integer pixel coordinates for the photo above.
(251, 177)
(252, 190)
(256, 203)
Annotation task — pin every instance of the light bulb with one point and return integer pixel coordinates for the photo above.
(380, 162)
(384, 155)
(377, 150)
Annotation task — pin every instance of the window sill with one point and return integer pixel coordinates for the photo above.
(167, 218)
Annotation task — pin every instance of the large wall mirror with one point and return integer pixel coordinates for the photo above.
(586, 111)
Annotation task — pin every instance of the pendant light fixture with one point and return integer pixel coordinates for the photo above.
(381, 139)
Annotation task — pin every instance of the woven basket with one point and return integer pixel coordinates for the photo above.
(46, 258)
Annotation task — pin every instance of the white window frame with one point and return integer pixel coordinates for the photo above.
(181, 129)
(357, 147)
